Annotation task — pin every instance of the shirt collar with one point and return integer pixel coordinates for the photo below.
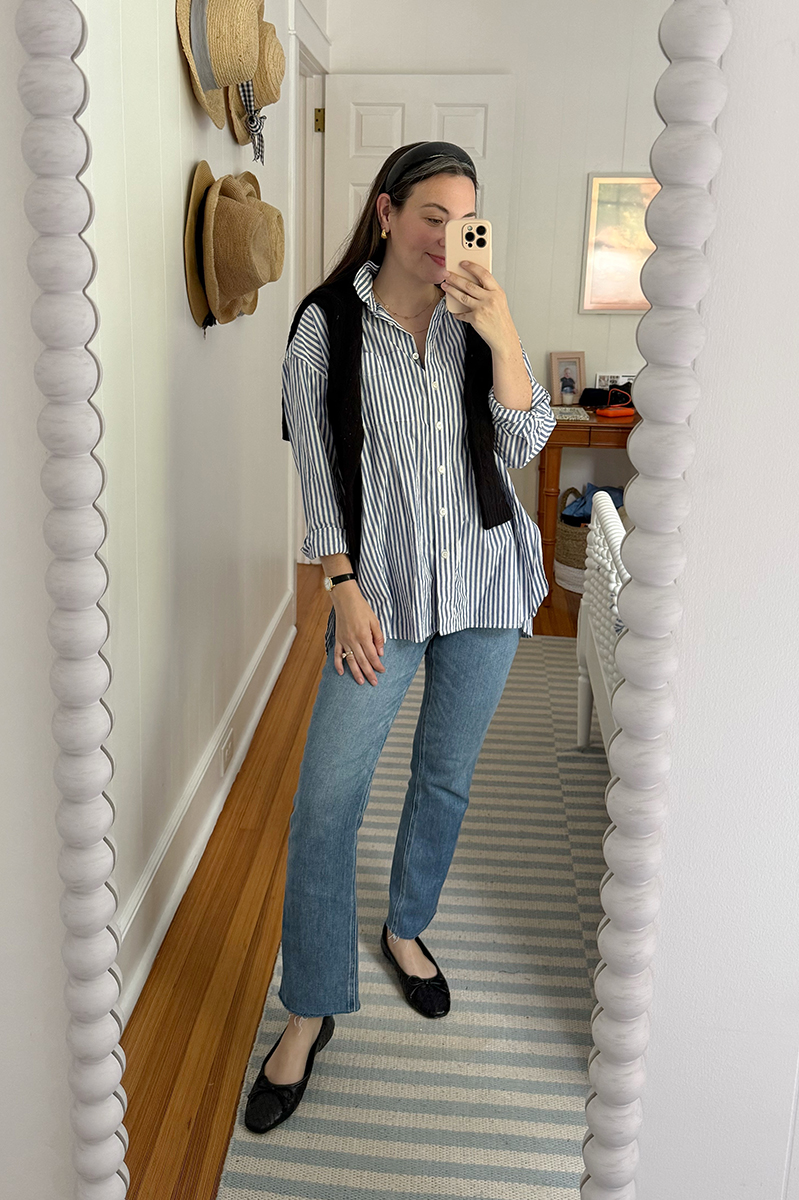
(364, 278)
(363, 284)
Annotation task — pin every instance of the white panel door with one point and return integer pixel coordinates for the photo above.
(368, 116)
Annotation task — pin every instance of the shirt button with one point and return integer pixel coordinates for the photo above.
(416, 356)
(435, 385)
(439, 424)
(442, 512)
(441, 470)
(445, 553)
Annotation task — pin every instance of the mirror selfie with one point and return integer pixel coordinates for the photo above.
(407, 394)
(366, 395)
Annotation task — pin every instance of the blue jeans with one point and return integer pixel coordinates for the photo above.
(465, 675)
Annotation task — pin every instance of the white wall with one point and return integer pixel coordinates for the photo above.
(200, 553)
(201, 601)
(317, 9)
(585, 75)
(725, 1031)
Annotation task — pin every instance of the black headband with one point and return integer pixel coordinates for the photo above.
(422, 153)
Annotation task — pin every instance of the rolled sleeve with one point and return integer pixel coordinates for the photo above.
(330, 539)
(305, 405)
(520, 434)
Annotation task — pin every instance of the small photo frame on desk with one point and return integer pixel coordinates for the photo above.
(609, 381)
(566, 376)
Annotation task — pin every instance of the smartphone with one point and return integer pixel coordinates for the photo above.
(466, 240)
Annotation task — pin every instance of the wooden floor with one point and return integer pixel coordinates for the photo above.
(189, 1037)
(560, 619)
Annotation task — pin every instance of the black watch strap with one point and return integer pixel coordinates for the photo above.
(334, 579)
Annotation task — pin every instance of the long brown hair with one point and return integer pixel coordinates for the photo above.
(365, 242)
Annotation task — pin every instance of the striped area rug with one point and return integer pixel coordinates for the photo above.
(488, 1102)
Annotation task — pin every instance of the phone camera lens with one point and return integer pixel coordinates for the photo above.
(470, 238)
(481, 242)
(481, 230)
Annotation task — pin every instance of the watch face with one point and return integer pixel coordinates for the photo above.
(328, 583)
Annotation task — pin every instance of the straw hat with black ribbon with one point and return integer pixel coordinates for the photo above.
(221, 44)
(245, 100)
(233, 243)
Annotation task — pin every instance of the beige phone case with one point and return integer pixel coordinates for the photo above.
(458, 249)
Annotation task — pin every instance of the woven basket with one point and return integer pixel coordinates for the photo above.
(570, 540)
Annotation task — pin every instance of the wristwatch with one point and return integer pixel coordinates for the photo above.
(331, 581)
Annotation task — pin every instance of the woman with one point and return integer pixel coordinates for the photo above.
(402, 444)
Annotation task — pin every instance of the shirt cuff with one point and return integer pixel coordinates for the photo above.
(327, 539)
(512, 419)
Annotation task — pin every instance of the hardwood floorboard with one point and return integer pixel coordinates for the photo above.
(190, 1035)
(207, 1037)
(560, 618)
(215, 1120)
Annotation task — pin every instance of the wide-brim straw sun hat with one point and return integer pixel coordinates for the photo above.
(198, 301)
(233, 243)
(266, 80)
(221, 46)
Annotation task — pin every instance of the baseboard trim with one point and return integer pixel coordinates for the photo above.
(146, 917)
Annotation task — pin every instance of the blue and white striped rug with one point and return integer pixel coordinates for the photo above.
(487, 1103)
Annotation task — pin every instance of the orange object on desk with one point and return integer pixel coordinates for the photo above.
(619, 408)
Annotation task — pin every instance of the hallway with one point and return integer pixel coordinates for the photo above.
(189, 1038)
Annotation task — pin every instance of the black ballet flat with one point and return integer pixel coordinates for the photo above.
(430, 997)
(269, 1104)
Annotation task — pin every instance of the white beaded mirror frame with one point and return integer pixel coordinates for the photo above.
(685, 157)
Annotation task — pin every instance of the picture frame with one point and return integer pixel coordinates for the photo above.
(616, 244)
(568, 365)
(609, 380)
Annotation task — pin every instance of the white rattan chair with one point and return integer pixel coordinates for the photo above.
(598, 623)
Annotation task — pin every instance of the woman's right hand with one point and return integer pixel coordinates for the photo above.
(358, 630)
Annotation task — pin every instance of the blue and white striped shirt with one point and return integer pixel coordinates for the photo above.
(427, 564)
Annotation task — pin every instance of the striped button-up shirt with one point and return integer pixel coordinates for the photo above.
(427, 564)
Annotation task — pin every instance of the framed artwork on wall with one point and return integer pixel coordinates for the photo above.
(566, 376)
(616, 244)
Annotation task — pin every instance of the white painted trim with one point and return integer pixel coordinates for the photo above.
(304, 27)
(203, 800)
(308, 64)
(300, 62)
(294, 104)
(685, 157)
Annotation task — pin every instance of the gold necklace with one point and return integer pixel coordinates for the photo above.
(403, 316)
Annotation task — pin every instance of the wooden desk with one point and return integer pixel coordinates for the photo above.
(596, 431)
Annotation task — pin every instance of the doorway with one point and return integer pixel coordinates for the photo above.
(310, 161)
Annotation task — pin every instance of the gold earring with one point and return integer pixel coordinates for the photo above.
(383, 234)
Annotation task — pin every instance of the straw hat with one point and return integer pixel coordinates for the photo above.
(221, 50)
(231, 248)
(266, 80)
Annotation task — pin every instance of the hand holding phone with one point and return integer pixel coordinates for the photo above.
(467, 239)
